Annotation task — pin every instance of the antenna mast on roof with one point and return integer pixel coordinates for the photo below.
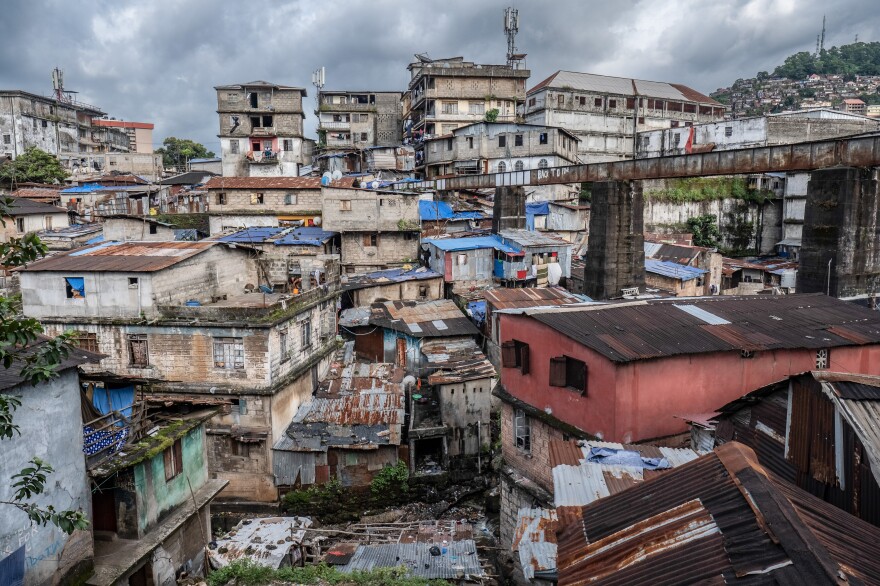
(318, 82)
(822, 40)
(511, 27)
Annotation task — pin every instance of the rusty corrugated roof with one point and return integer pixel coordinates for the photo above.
(274, 182)
(422, 319)
(719, 519)
(456, 361)
(668, 327)
(129, 257)
(503, 298)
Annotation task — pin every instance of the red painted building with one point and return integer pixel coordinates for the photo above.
(623, 372)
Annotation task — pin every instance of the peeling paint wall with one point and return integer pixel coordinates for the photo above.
(51, 429)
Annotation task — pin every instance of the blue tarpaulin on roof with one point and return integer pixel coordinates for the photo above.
(674, 270)
(612, 456)
(453, 244)
(86, 188)
(440, 210)
(96, 240)
(114, 399)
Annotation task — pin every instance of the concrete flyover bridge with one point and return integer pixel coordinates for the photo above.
(840, 250)
(858, 151)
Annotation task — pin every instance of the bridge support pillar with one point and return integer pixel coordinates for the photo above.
(616, 251)
(840, 246)
(509, 209)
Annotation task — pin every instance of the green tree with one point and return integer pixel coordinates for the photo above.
(492, 115)
(705, 231)
(36, 360)
(177, 151)
(33, 165)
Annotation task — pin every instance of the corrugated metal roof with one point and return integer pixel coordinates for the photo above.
(578, 482)
(22, 206)
(129, 257)
(460, 559)
(720, 517)
(657, 328)
(535, 540)
(622, 86)
(673, 270)
(387, 276)
(527, 238)
(504, 298)
(422, 319)
(220, 183)
(265, 542)
(455, 361)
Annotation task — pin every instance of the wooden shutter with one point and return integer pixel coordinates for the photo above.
(508, 354)
(524, 358)
(557, 371)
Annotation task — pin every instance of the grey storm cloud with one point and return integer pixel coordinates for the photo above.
(158, 61)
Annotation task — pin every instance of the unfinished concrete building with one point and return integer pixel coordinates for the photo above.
(358, 120)
(607, 112)
(444, 94)
(261, 129)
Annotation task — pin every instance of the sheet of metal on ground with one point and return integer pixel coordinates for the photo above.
(266, 542)
(535, 540)
(456, 361)
(457, 560)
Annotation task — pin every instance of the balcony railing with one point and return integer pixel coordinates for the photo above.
(334, 125)
(258, 158)
(263, 131)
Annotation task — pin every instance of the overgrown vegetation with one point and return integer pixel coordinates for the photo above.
(32, 165)
(847, 60)
(705, 230)
(492, 115)
(247, 573)
(391, 481)
(177, 151)
(185, 221)
(586, 193)
(697, 189)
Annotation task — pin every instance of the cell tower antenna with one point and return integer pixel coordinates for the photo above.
(857, 38)
(816, 54)
(58, 84)
(318, 82)
(822, 41)
(511, 27)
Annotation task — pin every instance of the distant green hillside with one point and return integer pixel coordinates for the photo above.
(846, 60)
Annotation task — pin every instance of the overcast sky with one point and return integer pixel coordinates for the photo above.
(158, 60)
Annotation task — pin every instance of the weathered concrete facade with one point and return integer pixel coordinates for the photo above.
(840, 252)
(616, 258)
(605, 113)
(261, 129)
(359, 119)
(121, 229)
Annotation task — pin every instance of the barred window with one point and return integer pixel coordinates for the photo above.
(138, 353)
(522, 431)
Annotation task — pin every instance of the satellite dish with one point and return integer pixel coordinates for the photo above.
(374, 185)
(316, 220)
(337, 175)
(325, 178)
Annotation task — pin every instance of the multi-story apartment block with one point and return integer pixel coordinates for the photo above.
(357, 120)
(606, 112)
(444, 94)
(187, 323)
(140, 134)
(261, 129)
(487, 147)
(380, 229)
